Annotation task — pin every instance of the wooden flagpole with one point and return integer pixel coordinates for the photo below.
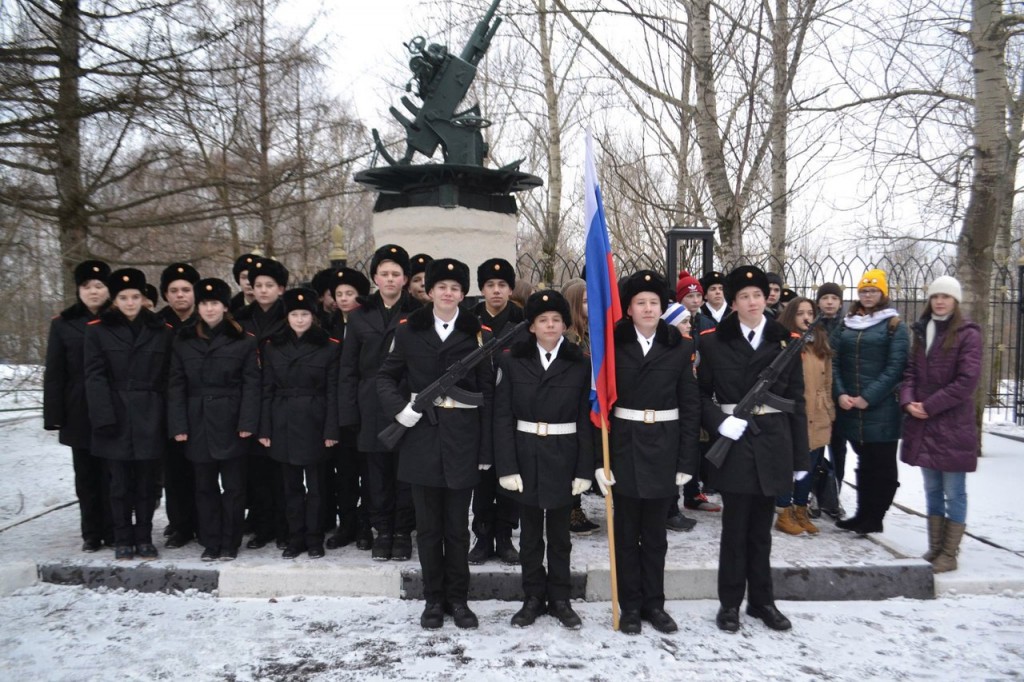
(611, 525)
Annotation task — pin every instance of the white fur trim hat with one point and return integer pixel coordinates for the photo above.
(946, 285)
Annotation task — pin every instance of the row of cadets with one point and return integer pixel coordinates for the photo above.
(495, 516)
(368, 336)
(441, 456)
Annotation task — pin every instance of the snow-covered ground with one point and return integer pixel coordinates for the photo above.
(51, 632)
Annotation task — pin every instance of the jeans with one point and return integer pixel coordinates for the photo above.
(946, 494)
(802, 488)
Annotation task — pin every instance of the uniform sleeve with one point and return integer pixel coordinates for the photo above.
(895, 362)
(331, 428)
(391, 374)
(249, 414)
(348, 376)
(968, 372)
(485, 379)
(588, 437)
(504, 431)
(97, 384)
(177, 394)
(711, 414)
(54, 378)
(688, 397)
(268, 381)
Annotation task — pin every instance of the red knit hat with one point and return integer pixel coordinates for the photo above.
(687, 284)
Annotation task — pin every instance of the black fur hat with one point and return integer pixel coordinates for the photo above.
(641, 281)
(353, 278)
(447, 268)
(496, 268)
(269, 268)
(126, 278)
(545, 301)
(213, 289)
(391, 252)
(174, 272)
(710, 278)
(89, 270)
(300, 299)
(745, 276)
(151, 293)
(242, 264)
(323, 281)
(419, 264)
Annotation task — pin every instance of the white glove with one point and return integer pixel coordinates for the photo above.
(408, 416)
(580, 485)
(799, 475)
(513, 483)
(484, 467)
(605, 484)
(733, 427)
(683, 479)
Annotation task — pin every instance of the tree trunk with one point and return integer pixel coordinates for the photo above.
(780, 117)
(553, 213)
(72, 216)
(266, 217)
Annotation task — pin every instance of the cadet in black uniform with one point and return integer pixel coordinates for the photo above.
(177, 283)
(64, 407)
(368, 336)
(347, 461)
(213, 406)
(653, 432)
(298, 422)
(495, 515)
(441, 456)
(127, 351)
(265, 318)
(544, 450)
(323, 284)
(760, 466)
(240, 271)
(417, 276)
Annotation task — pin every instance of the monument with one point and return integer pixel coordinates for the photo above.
(457, 208)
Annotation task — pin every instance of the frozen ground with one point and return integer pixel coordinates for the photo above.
(50, 632)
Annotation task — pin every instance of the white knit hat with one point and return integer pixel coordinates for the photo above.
(946, 285)
(675, 313)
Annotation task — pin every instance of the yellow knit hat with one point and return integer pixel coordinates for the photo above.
(874, 278)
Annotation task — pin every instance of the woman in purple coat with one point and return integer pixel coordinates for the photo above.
(940, 435)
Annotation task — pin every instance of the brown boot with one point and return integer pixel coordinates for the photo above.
(787, 522)
(935, 525)
(803, 520)
(952, 534)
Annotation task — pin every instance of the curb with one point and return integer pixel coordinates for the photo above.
(16, 575)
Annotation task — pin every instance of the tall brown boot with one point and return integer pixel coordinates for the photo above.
(952, 534)
(787, 521)
(935, 525)
(803, 519)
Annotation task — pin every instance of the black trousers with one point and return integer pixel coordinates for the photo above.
(744, 557)
(640, 548)
(304, 493)
(346, 480)
(556, 584)
(493, 514)
(877, 478)
(391, 502)
(133, 494)
(220, 499)
(691, 489)
(442, 540)
(92, 487)
(179, 489)
(265, 495)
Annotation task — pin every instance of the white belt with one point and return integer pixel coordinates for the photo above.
(757, 411)
(647, 416)
(546, 429)
(447, 403)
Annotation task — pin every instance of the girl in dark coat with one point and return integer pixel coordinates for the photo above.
(543, 450)
(441, 456)
(64, 407)
(127, 351)
(870, 353)
(213, 406)
(939, 433)
(654, 429)
(298, 421)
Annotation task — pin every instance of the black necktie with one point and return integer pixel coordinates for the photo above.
(444, 325)
(547, 356)
(750, 337)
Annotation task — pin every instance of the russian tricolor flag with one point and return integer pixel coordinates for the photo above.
(603, 306)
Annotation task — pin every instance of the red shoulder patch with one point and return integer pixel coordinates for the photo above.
(708, 331)
(96, 321)
(403, 321)
(334, 339)
(486, 328)
(251, 334)
(507, 350)
(794, 335)
(168, 325)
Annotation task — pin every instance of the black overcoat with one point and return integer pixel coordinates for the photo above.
(213, 392)
(524, 390)
(64, 406)
(763, 463)
(645, 458)
(262, 325)
(300, 396)
(446, 446)
(368, 336)
(126, 383)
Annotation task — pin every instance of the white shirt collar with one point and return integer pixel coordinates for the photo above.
(758, 332)
(444, 329)
(554, 353)
(720, 313)
(645, 343)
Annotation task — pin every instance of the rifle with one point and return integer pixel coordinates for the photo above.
(760, 395)
(445, 385)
